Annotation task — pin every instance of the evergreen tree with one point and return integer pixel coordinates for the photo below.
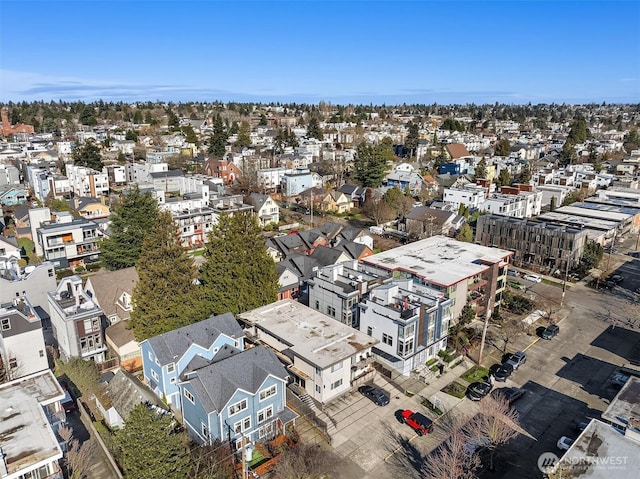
(244, 138)
(579, 131)
(263, 120)
(525, 175)
(413, 135)
(130, 223)
(504, 178)
(371, 162)
(502, 147)
(88, 154)
(218, 141)
(238, 275)
(313, 129)
(465, 234)
(568, 155)
(164, 296)
(148, 446)
(280, 141)
(481, 168)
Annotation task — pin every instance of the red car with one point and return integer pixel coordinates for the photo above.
(420, 423)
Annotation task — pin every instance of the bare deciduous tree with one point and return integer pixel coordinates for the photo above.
(305, 461)
(212, 462)
(509, 330)
(377, 209)
(495, 424)
(456, 458)
(78, 457)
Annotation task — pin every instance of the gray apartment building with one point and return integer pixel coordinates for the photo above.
(537, 245)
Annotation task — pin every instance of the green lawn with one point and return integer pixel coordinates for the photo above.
(475, 374)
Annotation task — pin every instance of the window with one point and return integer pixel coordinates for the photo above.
(205, 431)
(237, 407)
(41, 352)
(265, 393)
(189, 396)
(6, 324)
(154, 375)
(336, 367)
(318, 388)
(386, 339)
(317, 304)
(51, 273)
(150, 356)
(243, 425)
(331, 311)
(171, 367)
(91, 325)
(336, 384)
(369, 331)
(172, 380)
(266, 431)
(265, 414)
(318, 371)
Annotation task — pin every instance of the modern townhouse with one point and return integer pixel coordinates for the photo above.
(472, 196)
(536, 245)
(166, 356)
(86, 182)
(463, 272)
(22, 348)
(76, 321)
(410, 322)
(239, 396)
(322, 355)
(34, 282)
(63, 239)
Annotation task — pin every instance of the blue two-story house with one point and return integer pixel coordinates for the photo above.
(240, 396)
(166, 356)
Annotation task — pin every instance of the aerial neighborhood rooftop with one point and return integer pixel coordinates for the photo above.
(255, 279)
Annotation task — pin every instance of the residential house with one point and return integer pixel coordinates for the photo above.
(22, 348)
(455, 151)
(124, 392)
(65, 240)
(90, 208)
(9, 246)
(112, 291)
(410, 322)
(423, 221)
(116, 175)
(30, 416)
(357, 194)
(296, 182)
(33, 282)
(76, 321)
(167, 181)
(288, 282)
(166, 356)
(470, 196)
(405, 180)
(322, 355)
(463, 272)
(238, 396)
(265, 208)
(13, 195)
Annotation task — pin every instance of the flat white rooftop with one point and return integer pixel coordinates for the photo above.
(594, 213)
(600, 452)
(311, 335)
(26, 436)
(439, 259)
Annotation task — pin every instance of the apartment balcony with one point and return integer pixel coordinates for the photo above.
(475, 297)
(477, 284)
(363, 363)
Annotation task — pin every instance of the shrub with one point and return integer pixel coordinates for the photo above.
(80, 269)
(429, 405)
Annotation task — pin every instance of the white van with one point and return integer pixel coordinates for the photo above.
(533, 277)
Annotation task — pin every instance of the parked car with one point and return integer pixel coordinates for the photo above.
(513, 272)
(616, 279)
(533, 277)
(475, 444)
(68, 403)
(503, 372)
(580, 424)
(375, 394)
(517, 359)
(516, 284)
(420, 423)
(478, 390)
(550, 331)
(564, 443)
(511, 395)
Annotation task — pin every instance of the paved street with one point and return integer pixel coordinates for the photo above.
(566, 378)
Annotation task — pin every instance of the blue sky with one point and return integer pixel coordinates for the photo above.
(308, 51)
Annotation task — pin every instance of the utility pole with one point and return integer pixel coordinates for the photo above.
(611, 246)
(564, 283)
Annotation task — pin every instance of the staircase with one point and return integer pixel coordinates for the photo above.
(330, 423)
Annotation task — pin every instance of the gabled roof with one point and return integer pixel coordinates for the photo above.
(424, 213)
(354, 250)
(457, 150)
(215, 384)
(257, 200)
(326, 256)
(119, 334)
(108, 286)
(126, 392)
(174, 344)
